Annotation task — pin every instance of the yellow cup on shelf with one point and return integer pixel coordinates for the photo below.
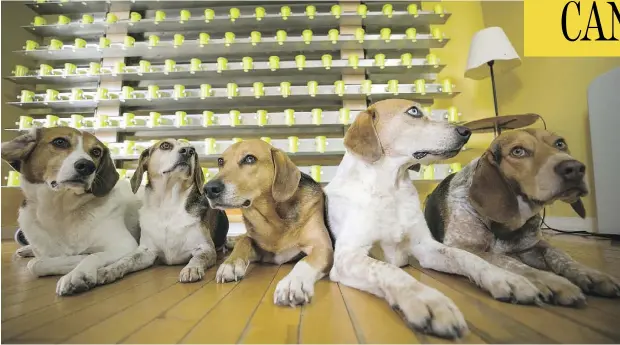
(180, 118)
(77, 94)
(129, 119)
(406, 60)
(281, 36)
(203, 39)
(259, 89)
(111, 18)
(420, 86)
(63, 20)
(315, 173)
(208, 118)
(129, 147)
(101, 94)
(127, 92)
(237, 140)
(26, 96)
(339, 87)
(285, 12)
(388, 10)
(362, 10)
(20, 71)
(234, 14)
(209, 15)
(366, 87)
(122, 173)
(153, 41)
(79, 43)
(55, 44)
(411, 34)
(310, 11)
(437, 34)
(184, 16)
(101, 121)
(195, 65)
(70, 69)
(152, 92)
(31, 45)
(51, 121)
(104, 42)
(274, 63)
(336, 11)
(306, 35)
(118, 68)
(333, 35)
(160, 16)
(429, 172)
(45, 70)
(178, 91)
(206, 174)
(222, 64)
(154, 119)
(446, 86)
(51, 95)
(178, 40)
(344, 115)
(94, 68)
(232, 90)
(321, 143)
(327, 60)
(359, 34)
(455, 167)
(235, 118)
(285, 89)
(317, 116)
(134, 17)
(453, 114)
(386, 34)
(266, 139)
(289, 117)
(38, 21)
(229, 38)
(170, 66)
(300, 61)
(412, 9)
(205, 91)
(255, 37)
(262, 117)
(293, 144)
(247, 63)
(13, 179)
(354, 61)
(87, 19)
(380, 61)
(210, 146)
(392, 86)
(26, 122)
(431, 59)
(438, 9)
(259, 13)
(144, 66)
(313, 88)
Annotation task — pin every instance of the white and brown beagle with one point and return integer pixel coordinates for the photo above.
(492, 208)
(177, 224)
(77, 215)
(283, 211)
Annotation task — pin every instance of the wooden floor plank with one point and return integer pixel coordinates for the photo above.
(326, 319)
(227, 321)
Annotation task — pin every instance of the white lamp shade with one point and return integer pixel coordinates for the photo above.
(490, 44)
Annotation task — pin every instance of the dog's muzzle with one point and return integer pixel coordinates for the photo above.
(214, 189)
(463, 134)
(572, 173)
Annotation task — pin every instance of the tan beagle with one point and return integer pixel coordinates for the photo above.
(283, 211)
(492, 208)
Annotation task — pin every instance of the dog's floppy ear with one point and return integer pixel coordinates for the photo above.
(18, 149)
(579, 208)
(490, 193)
(106, 175)
(286, 176)
(142, 166)
(199, 179)
(362, 139)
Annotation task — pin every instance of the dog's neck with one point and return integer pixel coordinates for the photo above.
(163, 188)
(64, 199)
(386, 173)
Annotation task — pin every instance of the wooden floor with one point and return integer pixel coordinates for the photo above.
(151, 307)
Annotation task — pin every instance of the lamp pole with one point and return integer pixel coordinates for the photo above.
(496, 130)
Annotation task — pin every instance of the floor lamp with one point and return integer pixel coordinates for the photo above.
(491, 53)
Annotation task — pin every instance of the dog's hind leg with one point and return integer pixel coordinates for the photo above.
(203, 257)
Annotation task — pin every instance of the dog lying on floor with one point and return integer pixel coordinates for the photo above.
(372, 200)
(492, 208)
(283, 211)
(76, 217)
(177, 224)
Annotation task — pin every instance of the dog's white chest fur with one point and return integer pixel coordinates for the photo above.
(168, 228)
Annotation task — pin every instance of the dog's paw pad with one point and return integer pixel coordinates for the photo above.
(191, 274)
(508, 287)
(293, 291)
(230, 271)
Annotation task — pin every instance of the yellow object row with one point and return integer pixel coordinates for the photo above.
(234, 14)
(230, 38)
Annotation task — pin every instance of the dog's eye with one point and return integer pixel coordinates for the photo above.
(61, 143)
(249, 159)
(165, 146)
(220, 162)
(96, 152)
(415, 112)
(560, 144)
(518, 152)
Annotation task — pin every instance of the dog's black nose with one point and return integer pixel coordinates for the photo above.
(187, 151)
(214, 188)
(84, 167)
(463, 131)
(571, 170)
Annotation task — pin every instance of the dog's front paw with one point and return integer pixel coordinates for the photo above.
(32, 267)
(557, 290)
(509, 287)
(25, 252)
(429, 311)
(76, 281)
(595, 283)
(105, 275)
(231, 271)
(190, 274)
(293, 290)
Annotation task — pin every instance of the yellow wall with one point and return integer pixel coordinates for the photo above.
(555, 88)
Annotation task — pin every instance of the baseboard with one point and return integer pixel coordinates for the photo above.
(571, 223)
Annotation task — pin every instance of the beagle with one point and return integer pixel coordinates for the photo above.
(177, 225)
(283, 211)
(492, 208)
(77, 215)
(372, 200)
